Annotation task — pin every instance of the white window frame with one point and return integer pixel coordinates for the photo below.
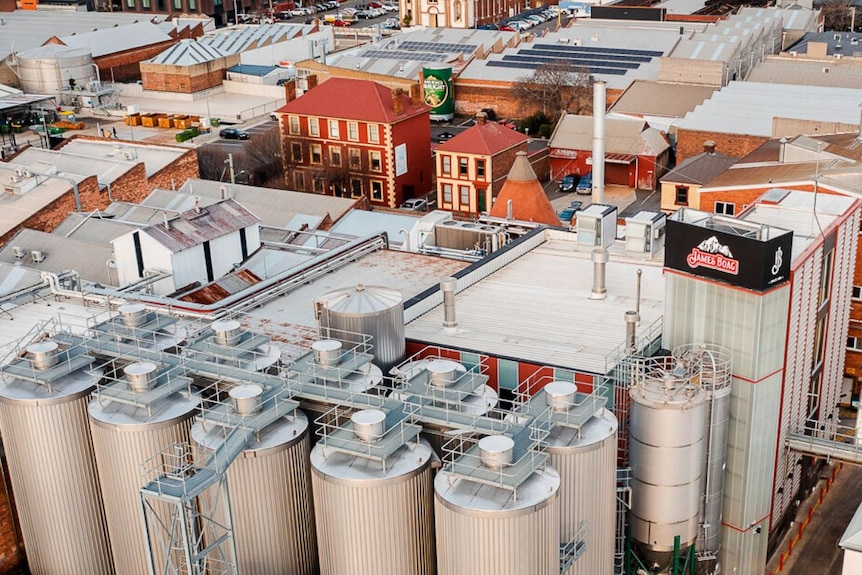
(353, 131)
(854, 343)
(374, 133)
(725, 208)
(333, 130)
(293, 125)
(313, 127)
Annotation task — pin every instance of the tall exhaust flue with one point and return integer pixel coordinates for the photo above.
(600, 258)
(448, 286)
(598, 142)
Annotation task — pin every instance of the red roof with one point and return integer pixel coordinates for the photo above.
(529, 201)
(485, 139)
(351, 99)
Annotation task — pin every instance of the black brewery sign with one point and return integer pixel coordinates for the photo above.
(742, 261)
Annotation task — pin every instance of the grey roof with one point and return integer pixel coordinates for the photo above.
(360, 223)
(95, 227)
(623, 135)
(118, 39)
(14, 278)
(844, 73)
(61, 254)
(274, 207)
(18, 208)
(252, 69)
(836, 43)
(851, 539)
(197, 226)
(667, 99)
(52, 51)
(187, 53)
(25, 29)
(705, 48)
(240, 39)
(750, 107)
(699, 169)
(685, 7)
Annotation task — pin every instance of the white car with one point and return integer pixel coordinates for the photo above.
(390, 7)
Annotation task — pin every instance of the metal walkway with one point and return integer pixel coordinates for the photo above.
(827, 448)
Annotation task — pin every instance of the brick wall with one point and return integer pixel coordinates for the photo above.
(690, 143)
(7, 76)
(174, 175)
(125, 66)
(186, 79)
(50, 216)
(502, 163)
(853, 359)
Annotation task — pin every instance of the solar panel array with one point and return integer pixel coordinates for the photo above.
(436, 46)
(595, 59)
(404, 55)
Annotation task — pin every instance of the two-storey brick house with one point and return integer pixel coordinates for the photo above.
(354, 138)
(472, 166)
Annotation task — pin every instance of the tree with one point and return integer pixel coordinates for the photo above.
(837, 14)
(260, 159)
(555, 88)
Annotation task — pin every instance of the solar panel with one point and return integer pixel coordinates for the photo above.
(608, 57)
(569, 47)
(436, 46)
(530, 66)
(404, 55)
(584, 62)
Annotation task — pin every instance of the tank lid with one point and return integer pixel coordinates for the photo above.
(141, 375)
(327, 351)
(246, 399)
(361, 299)
(560, 395)
(44, 354)
(133, 314)
(496, 450)
(369, 424)
(443, 372)
(225, 325)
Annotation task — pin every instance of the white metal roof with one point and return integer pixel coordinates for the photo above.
(16, 209)
(187, 53)
(361, 222)
(25, 29)
(117, 39)
(154, 157)
(87, 258)
(851, 539)
(537, 307)
(239, 39)
(749, 107)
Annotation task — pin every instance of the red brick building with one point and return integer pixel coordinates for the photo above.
(472, 166)
(354, 138)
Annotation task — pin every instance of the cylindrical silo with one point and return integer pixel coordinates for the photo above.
(366, 310)
(52, 468)
(586, 460)
(488, 529)
(715, 369)
(48, 69)
(667, 418)
(125, 436)
(270, 496)
(374, 519)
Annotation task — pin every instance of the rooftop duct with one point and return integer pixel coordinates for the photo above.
(246, 399)
(496, 451)
(141, 376)
(369, 424)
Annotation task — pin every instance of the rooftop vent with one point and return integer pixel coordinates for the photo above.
(560, 395)
(133, 314)
(442, 372)
(37, 256)
(44, 354)
(246, 399)
(18, 252)
(227, 333)
(369, 424)
(327, 352)
(141, 376)
(496, 451)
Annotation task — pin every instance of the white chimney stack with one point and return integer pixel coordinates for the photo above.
(448, 286)
(598, 142)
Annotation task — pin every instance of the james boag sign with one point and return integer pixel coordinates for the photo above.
(739, 260)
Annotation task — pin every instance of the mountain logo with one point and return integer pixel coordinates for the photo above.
(711, 253)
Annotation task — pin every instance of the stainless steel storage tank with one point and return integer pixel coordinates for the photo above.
(667, 418)
(125, 435)
(374, 519)
(47, 69)
(369, 310)
(51, 464)
(715, 369)
(270, 496)
(486, 529)
(586, 460)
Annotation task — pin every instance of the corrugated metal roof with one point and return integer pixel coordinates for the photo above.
(844, 73)
(623, 135)
(274, 207)
(119, 39)
(91, 227)
(699, 169)
(851, 539)
(750, 107)
(51, 51)
(537, 308)
(196, 226)
(61, 254)
(15, 209)
(252, 69)
(14, 277)
(665, 99)
(236, 40)
(360, 223)
(187, 53)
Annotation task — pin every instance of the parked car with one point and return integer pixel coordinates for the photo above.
(389, 7)
(375, 5)
(536, 20)
(415, 205)
(508, 28)
(585, 185)
(391, 24)
(569, 182)
(234, 134)
(576, 205)
(367, 14)
(378, 11)
(341, 23)
(566, 215)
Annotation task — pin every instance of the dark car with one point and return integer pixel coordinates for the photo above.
(234, 134)
(569, 182)
(585, 186)
(568, 214)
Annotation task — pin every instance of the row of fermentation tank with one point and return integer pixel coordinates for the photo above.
(298, 506)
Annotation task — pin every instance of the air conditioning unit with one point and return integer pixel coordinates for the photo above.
(19, 172)
(793, 53)
(26, 173)
(14, 179)
(18, 252)
(37, 256)
(839, 56)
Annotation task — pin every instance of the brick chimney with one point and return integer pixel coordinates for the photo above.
(481, 117)
(311, 82)
(290, 90)
(416, 95)
(709, 147)
(397, 101)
